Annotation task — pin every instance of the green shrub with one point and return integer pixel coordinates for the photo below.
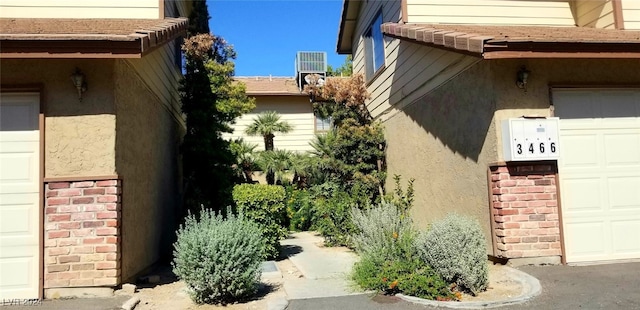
(383, 232)
(264, 204)
(219, 259)
(456, 248)
(299, 209)
(407, 276)
(331, 213)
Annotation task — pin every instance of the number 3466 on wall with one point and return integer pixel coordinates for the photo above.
(530, 139)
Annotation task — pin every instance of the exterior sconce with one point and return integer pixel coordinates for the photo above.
(80, 83)
(522, 77)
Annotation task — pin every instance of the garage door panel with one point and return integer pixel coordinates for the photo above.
(584, 193)
(622, 149)
(19, 196)
(624, 193)
(17, 274)
(625, 236)
(580, 150)
(585, 238)
(599, 173)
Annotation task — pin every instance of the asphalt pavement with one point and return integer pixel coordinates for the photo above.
(607, 286)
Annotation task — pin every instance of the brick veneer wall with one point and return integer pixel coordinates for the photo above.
(82, 231)
(525, 210)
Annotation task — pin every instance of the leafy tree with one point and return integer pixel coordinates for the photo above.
(211, 102)
(266, 125)
(346, 69)
(352, 154)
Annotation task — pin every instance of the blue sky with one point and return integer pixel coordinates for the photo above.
(267, 33)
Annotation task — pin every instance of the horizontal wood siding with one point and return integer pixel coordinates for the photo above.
(160, 73)
(512, 12)
(296, 110)
(145, 9)
(631, 14)
(411, 70)
(594, 13)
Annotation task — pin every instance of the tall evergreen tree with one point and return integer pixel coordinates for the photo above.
(211, 102)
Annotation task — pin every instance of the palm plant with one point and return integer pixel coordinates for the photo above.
(266, 125)
(245, 159)
(275, 164)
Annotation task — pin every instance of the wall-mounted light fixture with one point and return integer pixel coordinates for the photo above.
(80, 83)
(522, 78)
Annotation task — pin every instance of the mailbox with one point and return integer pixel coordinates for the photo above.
(530, 139)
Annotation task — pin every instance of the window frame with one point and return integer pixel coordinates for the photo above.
(317, 118)
(372, 68)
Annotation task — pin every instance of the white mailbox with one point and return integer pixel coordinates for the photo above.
(530, 139)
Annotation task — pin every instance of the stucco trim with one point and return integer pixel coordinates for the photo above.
(161, 9)
(494, 244)
(404, 10)
(563, 257)
(82, 178)
(618, 17)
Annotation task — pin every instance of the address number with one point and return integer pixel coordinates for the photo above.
(532, 148)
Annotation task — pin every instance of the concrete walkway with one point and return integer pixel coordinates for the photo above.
(325, 270)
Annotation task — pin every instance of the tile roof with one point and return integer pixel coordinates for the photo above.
(21, 35)
(275, 86)
(521, 41)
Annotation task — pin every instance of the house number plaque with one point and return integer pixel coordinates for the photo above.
(530, 139)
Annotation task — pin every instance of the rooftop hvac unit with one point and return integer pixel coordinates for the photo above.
(308, 63)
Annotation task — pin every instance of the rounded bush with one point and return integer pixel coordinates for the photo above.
(219, 259)
(455, 247)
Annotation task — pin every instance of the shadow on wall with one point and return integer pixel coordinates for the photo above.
(458, 112)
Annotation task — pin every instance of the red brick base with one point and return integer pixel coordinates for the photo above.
(82, 229)
(525, 210)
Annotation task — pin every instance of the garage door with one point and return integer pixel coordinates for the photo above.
(599, 171)
(19, 196)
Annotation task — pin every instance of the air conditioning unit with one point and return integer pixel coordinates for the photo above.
(309, 63)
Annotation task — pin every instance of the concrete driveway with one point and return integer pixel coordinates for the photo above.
(611, 286)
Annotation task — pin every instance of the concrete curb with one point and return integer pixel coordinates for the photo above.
(131, 303)
(278, 304)
(530, 289)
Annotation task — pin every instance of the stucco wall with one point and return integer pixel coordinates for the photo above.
(448, 137)
(79, 136)
(147, 141)
(445, 141)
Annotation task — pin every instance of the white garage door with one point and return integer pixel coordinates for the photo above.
(599, 171)
(19, 196)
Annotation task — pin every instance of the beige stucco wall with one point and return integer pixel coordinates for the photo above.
(147, 142)
(80, 9)
(79, 136)
(447, 138)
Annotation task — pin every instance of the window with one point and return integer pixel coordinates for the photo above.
(322, 124)
(374, 47)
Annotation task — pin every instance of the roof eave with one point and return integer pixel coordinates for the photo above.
(488, 48)
(135, 45)
(348, 19)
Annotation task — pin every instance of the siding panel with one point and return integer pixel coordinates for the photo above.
(631, 14)
(297, 111)
(161, 75)
(555, 13)
(145, 9)
(595, 14)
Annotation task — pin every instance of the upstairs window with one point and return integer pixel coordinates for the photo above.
(374, 47)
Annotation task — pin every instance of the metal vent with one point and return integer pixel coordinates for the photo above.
(310, 63)
(315, 62)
